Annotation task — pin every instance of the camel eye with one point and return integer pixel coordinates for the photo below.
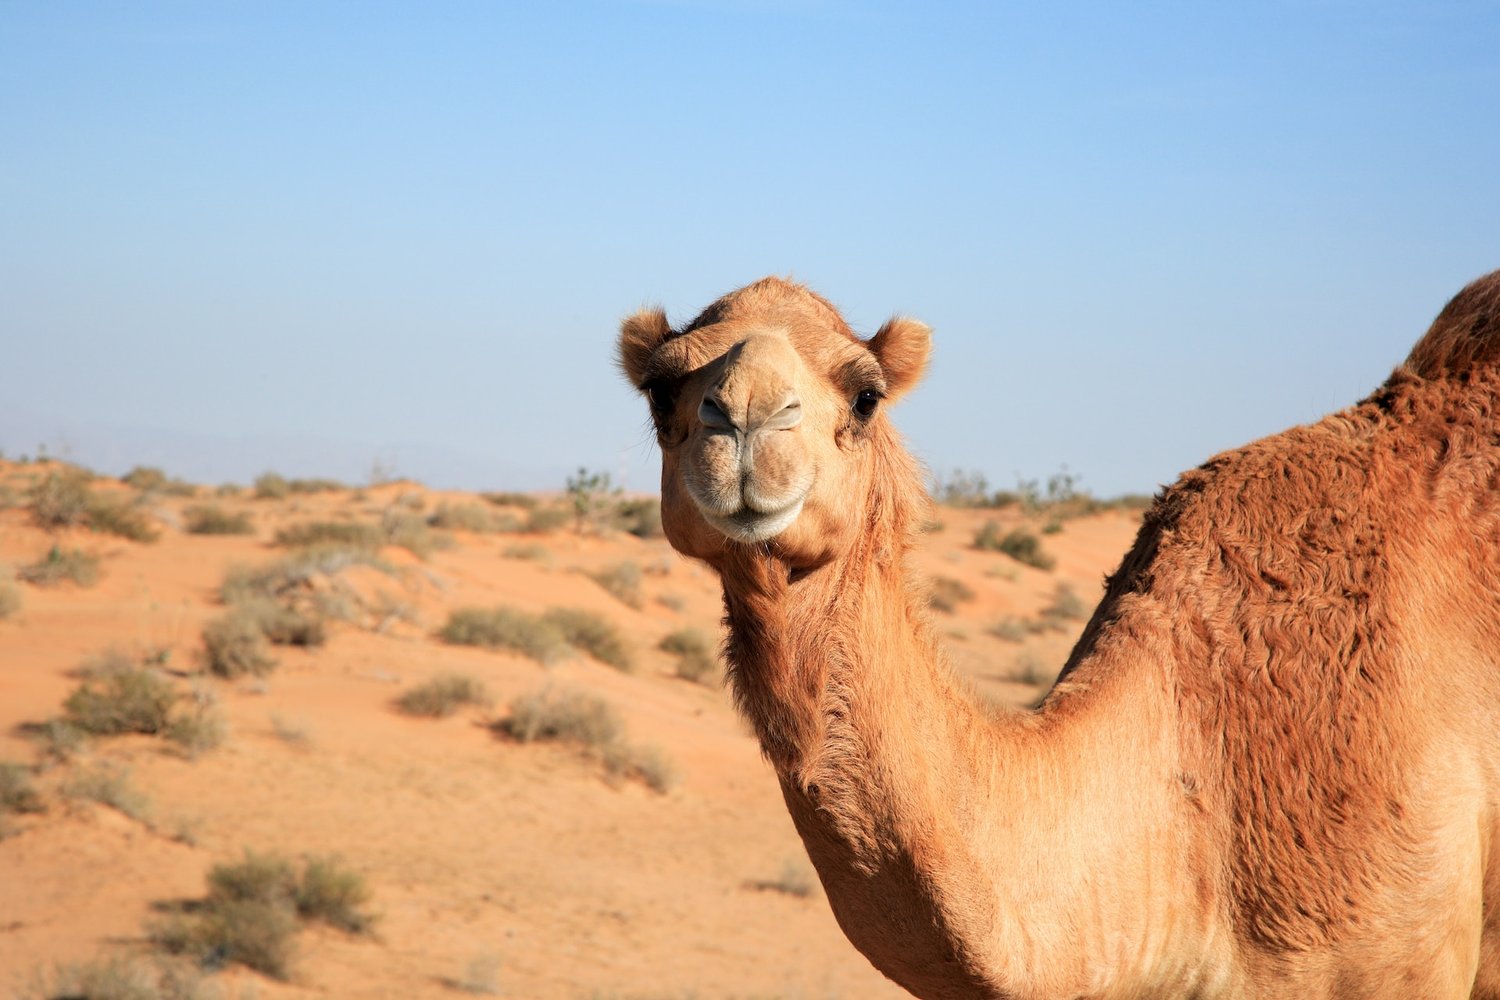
(865, 403)
(660, 397)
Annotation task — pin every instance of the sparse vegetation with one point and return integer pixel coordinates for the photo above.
(116, 516)
(795, 879)
(211, 519)
(251, 912)
(411, 531)
(200, 727)
(592, 633)
(587, 491)
(1066, 606)
(17, 793)
(58, 565)
(622, 580)
(1021, 544)
(641, 518)
(61, 500)
(1013, 629)
(121, 977)
(271, 486)
(946, 593)
(649, 765)
(343, 534)
(695, 654)
(525, 501)
(544, 519)
(444, 695)
(146, 478)
(472, 517)
(109, 786)
(234, 645)
(118, 697)
(527, 550)
(1028, 668)
(506, 628)
(590, 725)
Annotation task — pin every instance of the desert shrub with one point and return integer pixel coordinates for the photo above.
(109, 786)
(471, 517)
(73, 565)
(411, 531)
(505, 628)
(121, 697)
(544, 519)
(351, 534)
(334, 895)
(17, 793)
(211, 519)
(622, 580)
(268, 878)
(443, 695)
(295, 573)
(284, 625)
(271, 486)
(59, 740)
(945, 593)
(649, 765)
(593, 634)
(529, 550)
(1027, 668)
(587, 492)
(672, 602)
(566, 717)
(10, 598)
(796, 878)
(1066, 606)
(257, 934)
(1052, 527)
(116, 516)
(1021, 544)
(641, 518)
(234, 645)
(123, 978)
(145, 478)
(1012, 629)
(525, 501)
(694, 651)
(200, 727)
(61, 500)
(315, 484)
(962, 489)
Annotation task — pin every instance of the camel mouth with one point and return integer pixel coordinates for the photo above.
(750, 526)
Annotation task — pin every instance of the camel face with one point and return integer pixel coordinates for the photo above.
(765, 408)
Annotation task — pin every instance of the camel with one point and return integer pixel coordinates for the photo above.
(1270, 765)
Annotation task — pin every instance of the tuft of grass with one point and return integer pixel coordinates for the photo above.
(444, 695)
(694, 650)
(411, 531)
(592, 633)
(527, 550)
(352, 534)
(146, 478)
(109, 786)
(114, 516)
(73, 565)
(332, 894)
(61, 500)
(234, 645)
(481, 976)
(649, 765)
(59, 740)
(581, 720)
(123, 978)
(10, 598)
(211, 519)
(271, 486)
(297, 572)
(946, 593)
(796, 878)
(1021, 544)
(120, 698)
(524, 501)
(471, 517)
(17, 793)
(542, 520)
(641, 518)
(1012, 629)
(315, 484)
(505, 628)
(672, 602)
(199, 729)
(622, 581)
(282, 624)
(1028, 668)
(1066, 606)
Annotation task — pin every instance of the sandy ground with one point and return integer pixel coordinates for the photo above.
(518, 869)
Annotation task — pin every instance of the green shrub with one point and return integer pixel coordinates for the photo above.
(694, 650)
(945, 593)
(57, 565)
(622, 580)
(234, 645)
(211, 519)
(121, 698)
(17, 794)
(593, 634)
(443, 695)
(1020, 544)
(505, 628)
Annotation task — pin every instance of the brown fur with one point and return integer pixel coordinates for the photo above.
(1269, 768)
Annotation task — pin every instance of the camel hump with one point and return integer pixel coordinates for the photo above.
(1465, 333)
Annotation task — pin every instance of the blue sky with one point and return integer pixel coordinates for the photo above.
(319, 236)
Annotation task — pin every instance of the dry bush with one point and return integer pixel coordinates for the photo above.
(201, 727)
(271, 486)
(290, 576)
(542, 520)
(525, 501)
(592, 633)
(211, 519)
(109, 786)
(282, 624)
(1021, 544)
(795, 879)
(528, 550)
(122, 978)
(58, 740)
(444, 695)
(17, 793)
(696, 660)
(116, 516)
(121, 697)
(146, 478)
(315, 484)
(946, 593)
(1028, 668)
(672, 602)
(350, 534)
(472, 517)
(334, 895)
(72, 565)
(505, 628)
(61, 500)
(641, 518)
(622, 581)
(1066, 606)
(411, 531)
(235, 646)
(649, 765)
(1012, 629)
(570, 717)
(10, 597)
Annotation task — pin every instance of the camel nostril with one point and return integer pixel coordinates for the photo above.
(789, 416)
(712, 414)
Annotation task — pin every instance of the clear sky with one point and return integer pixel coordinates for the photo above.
(319, 236)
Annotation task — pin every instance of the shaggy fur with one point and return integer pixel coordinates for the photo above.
(1269, 768)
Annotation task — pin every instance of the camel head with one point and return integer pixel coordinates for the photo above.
(770, 413)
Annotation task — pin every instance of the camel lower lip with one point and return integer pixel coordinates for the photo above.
(746, 525)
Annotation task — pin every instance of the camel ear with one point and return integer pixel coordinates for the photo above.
(640, 336)
(902, 347)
